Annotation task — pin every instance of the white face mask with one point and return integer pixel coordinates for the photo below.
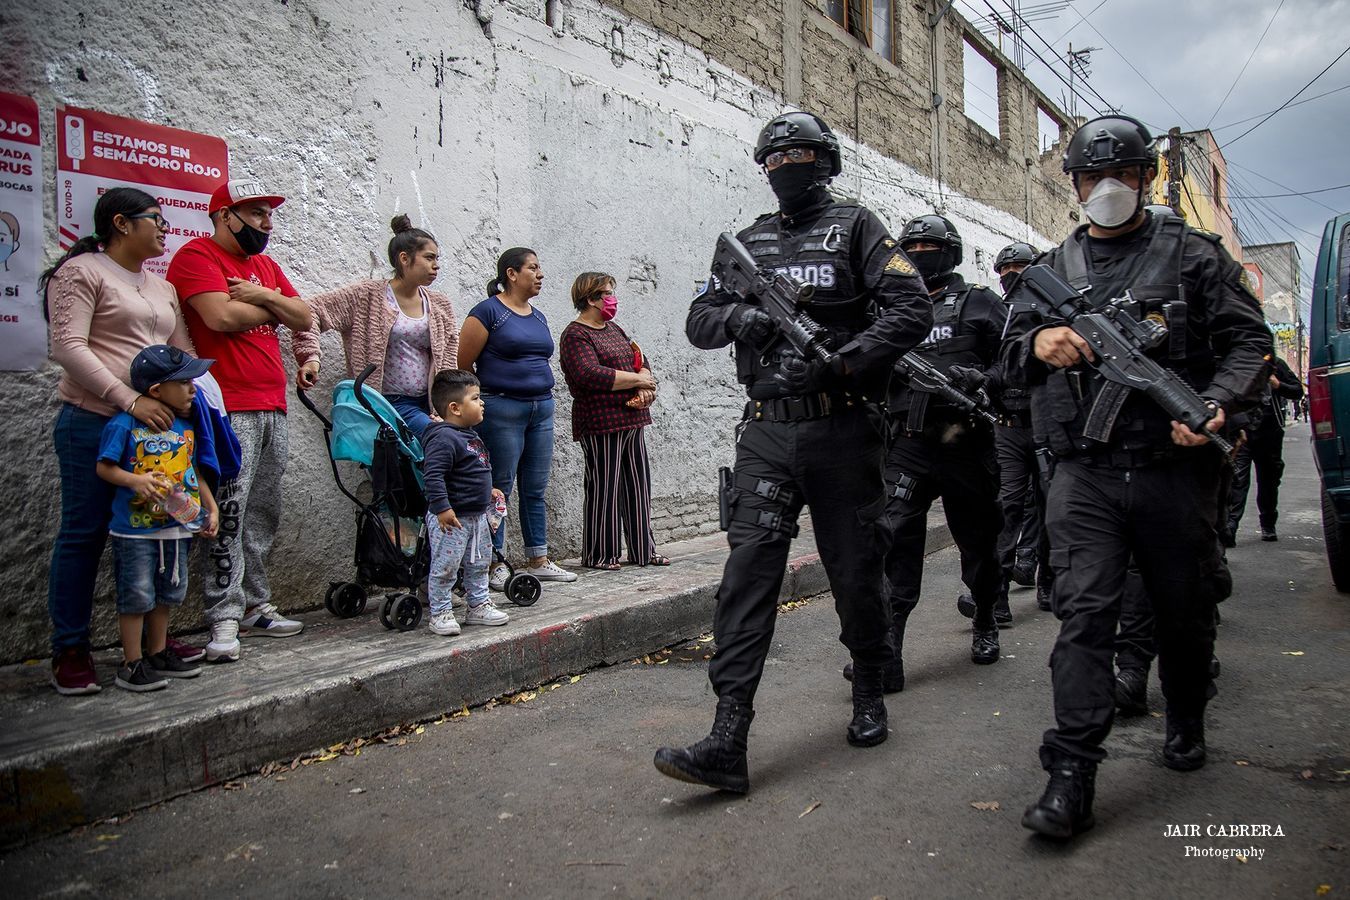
(1111, 204)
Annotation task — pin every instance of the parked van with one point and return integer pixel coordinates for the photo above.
(1329, 391)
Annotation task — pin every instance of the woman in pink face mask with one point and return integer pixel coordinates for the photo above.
(611, 388)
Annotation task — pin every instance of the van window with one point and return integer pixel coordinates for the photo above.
(1343, 281)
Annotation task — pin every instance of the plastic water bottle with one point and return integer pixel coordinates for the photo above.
(497, 513)
(184, 508)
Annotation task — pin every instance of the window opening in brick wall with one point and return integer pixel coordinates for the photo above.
(870, 21)
(1047, 128)
(981, 89)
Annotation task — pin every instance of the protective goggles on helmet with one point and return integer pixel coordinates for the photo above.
(792, 154)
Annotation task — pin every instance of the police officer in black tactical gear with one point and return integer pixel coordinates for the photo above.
(1148, 490)
(1264, 451)
(810, 437)
(1022, 465)
(938, 450)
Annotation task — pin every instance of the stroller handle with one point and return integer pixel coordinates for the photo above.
(309, 405)
(359, 390)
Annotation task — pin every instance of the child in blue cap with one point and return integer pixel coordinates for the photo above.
(159, 505)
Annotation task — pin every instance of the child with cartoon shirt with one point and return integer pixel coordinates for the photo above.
(459, 489)
(150, 547)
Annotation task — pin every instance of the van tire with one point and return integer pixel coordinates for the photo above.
(1338, 544)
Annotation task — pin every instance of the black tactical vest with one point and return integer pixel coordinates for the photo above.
(1153, 279)
(821, 256)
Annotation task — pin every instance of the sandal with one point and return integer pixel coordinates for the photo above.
(659, 560)
(607, 567)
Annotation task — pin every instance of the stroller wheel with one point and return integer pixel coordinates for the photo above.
(328, 596)
(385, 608)
(406, 612)
(523, 589)
(348, 600)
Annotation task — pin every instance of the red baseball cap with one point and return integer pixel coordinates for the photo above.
(241, 190)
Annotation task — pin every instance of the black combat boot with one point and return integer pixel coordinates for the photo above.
(1184, 748)
(1065, 809)
(1132, 691)
(1043, 597)
(717, 761)
(868, 727)
(1024, 568)
(965, 605)
(892, 675)
(984, 644)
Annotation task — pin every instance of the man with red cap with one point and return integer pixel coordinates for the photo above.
(233, 298)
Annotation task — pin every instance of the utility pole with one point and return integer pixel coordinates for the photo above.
(1080, 62)
(1174, 173)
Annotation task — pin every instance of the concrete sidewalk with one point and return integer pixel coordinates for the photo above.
(70, 760)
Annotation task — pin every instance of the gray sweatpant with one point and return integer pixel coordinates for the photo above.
(250, 509)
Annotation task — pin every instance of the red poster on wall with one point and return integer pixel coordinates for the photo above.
(97, 151)
(23, 330)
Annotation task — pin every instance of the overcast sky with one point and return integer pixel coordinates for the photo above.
(1191, 51)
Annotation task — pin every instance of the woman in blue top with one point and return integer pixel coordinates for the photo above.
(507, 342)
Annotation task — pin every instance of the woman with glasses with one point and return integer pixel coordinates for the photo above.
(104, 308)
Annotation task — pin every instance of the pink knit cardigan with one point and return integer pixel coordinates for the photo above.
(361, 312)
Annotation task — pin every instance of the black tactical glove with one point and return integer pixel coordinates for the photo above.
(750, 324)
(796, 375)
(967, 378)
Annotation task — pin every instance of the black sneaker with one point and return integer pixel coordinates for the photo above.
(171, 665)
(139, 677)
(1268, 534)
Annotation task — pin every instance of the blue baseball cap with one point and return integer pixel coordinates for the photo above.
(161, 363)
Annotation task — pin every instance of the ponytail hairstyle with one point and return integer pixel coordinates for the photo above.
(125, 201)
(589, 287)
(406, 239)
(511, 259)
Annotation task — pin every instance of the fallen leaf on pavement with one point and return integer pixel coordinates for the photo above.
(986, 805)
(1323, 890)
(107, 837)
(234, 785)
(810, 809)
(421, 729)
(1241, 762)
(462, 714)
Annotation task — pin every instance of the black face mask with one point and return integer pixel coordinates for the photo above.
(931, 264)
(1008, 280)
(792, 184)
(251, 240)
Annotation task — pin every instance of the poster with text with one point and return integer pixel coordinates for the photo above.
(23, 330)
(97, 151)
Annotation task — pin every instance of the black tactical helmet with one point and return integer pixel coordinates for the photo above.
(1016, 252)
(1108, 142)
(936, 229)
(1162, 212)
(801, 129)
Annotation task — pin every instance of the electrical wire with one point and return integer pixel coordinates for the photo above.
(1339, 187)
(1087, 84)
(1244, 65)
(1233, 165)
(1344, 87)
(1285, 103)
(1134, 68)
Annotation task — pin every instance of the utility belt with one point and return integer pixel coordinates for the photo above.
(798, 409)
(1121, 458)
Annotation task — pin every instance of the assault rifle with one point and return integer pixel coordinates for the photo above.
(925, 377)
(778, 295)
(1120, 342)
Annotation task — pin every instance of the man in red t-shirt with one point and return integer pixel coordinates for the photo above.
(233, 298)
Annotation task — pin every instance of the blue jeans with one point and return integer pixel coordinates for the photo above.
(150, 573)
(519, 437)
(416, 411)
(465, 546)
(86, 509)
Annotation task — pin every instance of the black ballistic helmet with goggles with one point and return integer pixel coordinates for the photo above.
(801, 129)
(1110, 142)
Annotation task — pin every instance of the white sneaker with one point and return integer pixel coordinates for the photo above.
(264, 619)
(444, 624)
(551, 571)
(486, 614)
(224, 645)
(497, 576)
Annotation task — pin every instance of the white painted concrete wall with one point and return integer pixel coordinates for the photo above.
(599, 142)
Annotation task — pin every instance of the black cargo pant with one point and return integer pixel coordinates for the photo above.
(920, 469)
(1099, 516)
(1264, 450)
(1020, 494)
(832, 465)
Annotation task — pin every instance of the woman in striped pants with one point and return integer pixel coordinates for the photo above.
(611, 389)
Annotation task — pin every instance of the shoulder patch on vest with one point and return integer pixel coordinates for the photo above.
(900, 265)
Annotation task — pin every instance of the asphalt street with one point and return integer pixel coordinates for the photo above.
(555, 795)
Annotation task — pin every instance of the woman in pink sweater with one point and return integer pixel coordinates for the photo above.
(104, 309)
(407, 331)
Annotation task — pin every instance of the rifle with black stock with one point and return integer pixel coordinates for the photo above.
(779, 296)
(1120, 343)
(925, 377)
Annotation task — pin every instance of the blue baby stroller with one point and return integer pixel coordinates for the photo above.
(391, 544)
